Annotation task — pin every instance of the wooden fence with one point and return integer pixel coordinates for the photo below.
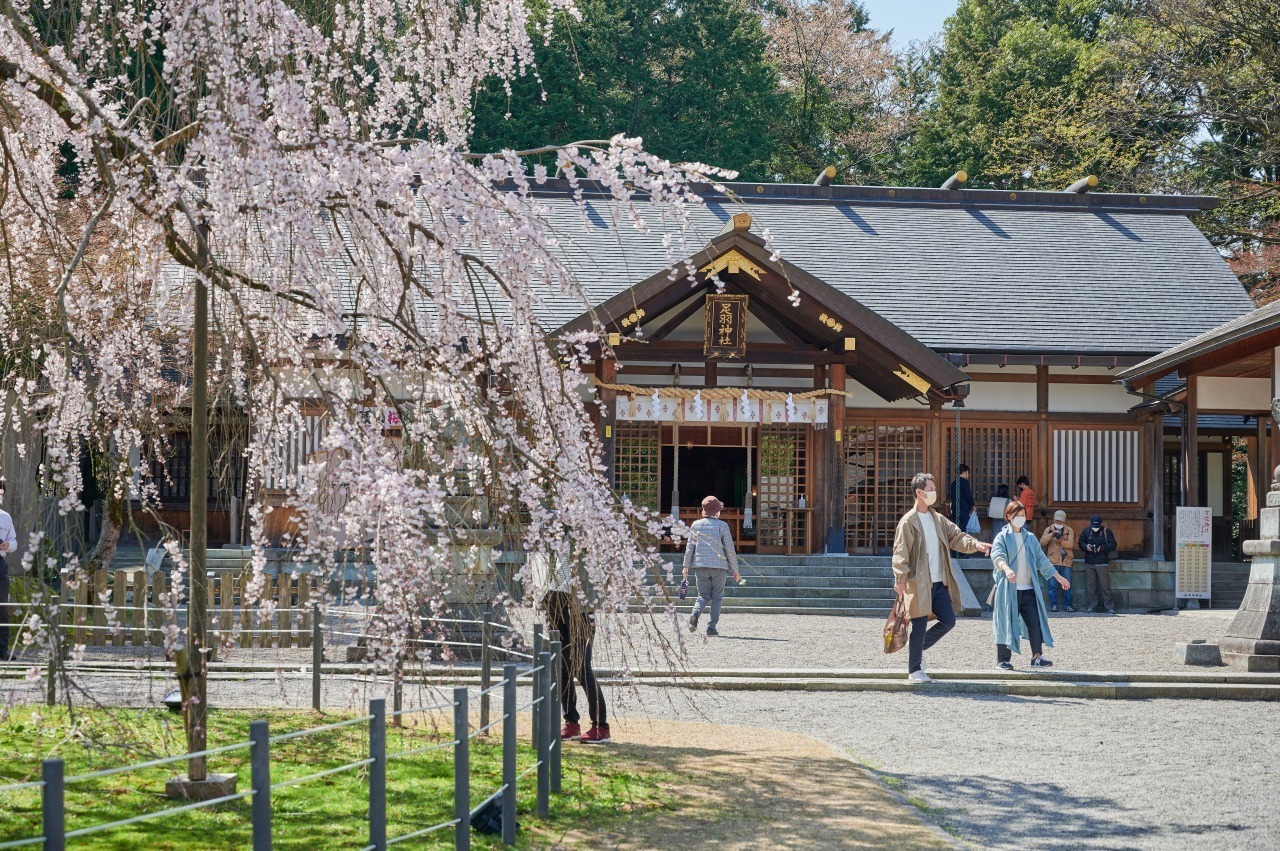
(139, 616)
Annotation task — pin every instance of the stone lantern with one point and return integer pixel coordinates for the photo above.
(1252, 641)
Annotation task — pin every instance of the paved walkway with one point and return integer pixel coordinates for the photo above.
(1082, 643)
(1024, 772)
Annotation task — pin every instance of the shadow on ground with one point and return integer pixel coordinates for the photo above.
(743, 788)
(1027, 814)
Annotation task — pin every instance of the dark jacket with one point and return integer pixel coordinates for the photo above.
(961, 501)
(1097, 546)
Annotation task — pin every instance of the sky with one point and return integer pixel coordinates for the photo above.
(910, 20)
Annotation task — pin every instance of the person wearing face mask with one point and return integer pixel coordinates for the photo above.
(1021, 569)
(923, 572)
(1059, 543)
(1097, 542)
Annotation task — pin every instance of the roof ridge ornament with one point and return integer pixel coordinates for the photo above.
(739, 222)
(956, 181)
(1083, 185)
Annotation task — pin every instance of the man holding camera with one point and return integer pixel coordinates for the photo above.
(1059, 544)
(1097, 542)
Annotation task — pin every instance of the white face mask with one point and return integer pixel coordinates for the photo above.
(1018, 522)
(1057, 527)
(930, 497)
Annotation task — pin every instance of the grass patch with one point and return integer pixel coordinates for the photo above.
(598, 787)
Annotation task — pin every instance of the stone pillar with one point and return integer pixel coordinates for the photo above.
(1252, 641)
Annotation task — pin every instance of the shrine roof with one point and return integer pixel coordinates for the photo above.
(959, 270)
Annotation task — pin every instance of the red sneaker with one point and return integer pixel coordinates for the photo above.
(570, 731)
(596, 735)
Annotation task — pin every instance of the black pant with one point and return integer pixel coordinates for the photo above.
(1031, 614)
(921, 640)
(577, 632)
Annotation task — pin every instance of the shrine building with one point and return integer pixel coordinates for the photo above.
(880, 331)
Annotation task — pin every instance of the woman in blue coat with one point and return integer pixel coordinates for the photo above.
(1021, 569)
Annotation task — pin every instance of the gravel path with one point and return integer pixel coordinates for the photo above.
(1082, 642)
(1007, 772)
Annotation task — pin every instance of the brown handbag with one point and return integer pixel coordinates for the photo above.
(895, 626)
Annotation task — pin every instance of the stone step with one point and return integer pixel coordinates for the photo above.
(802, 582)
(741, 592)
(749, 570)
(790, 609)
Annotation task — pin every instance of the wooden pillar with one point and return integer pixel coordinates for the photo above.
(1191, 445)
(1273, 445)
(835, 490)
(1155, 484)
(710, 374)
(607, 372)
(1261, 458)
(1042, 389)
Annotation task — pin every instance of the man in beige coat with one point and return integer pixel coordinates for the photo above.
(923, 572)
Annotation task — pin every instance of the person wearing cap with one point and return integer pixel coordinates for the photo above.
(1096, 543)
(710, 553)
(1059, 544)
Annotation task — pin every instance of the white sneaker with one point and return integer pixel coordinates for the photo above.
(919, 677)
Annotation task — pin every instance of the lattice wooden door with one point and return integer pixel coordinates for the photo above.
(784, 479)
(880, 460)
(637, 462)
(997, 454)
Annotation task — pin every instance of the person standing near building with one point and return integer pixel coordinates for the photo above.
(8, 544)
(710, 553)
(1020, 567)
(1024, 494)
(1096, 543)
(923, 572)
(567, 615)
(995, 510)
(1059, 543)
(961, 496)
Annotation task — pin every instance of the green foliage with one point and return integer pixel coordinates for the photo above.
(327, 813)
(1034, 94)
(689, 77)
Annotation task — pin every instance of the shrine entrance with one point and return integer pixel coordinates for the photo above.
(735, 385)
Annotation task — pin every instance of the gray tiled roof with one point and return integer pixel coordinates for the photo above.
(1258, 321)
(1049, 273)
(1232, 423)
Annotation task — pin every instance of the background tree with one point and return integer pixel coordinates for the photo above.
(1220, 62)
(1033, 93)
(691, 77)
(846, 104)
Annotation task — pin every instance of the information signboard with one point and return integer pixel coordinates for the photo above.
(1194, 538)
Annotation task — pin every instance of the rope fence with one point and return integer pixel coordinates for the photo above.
(546, 742)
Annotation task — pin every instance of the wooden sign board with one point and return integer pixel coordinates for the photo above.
(1193, 569)
(725, 331)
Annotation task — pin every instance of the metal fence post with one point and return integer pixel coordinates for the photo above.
(461, 771)
(486, 666)
(538, 642)
(317, 655)
(55, 653)
(260, 780)
(542, 736)
(52, 806)
(554, 742)
(509, 754)
(397, 692)
(378, 774)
